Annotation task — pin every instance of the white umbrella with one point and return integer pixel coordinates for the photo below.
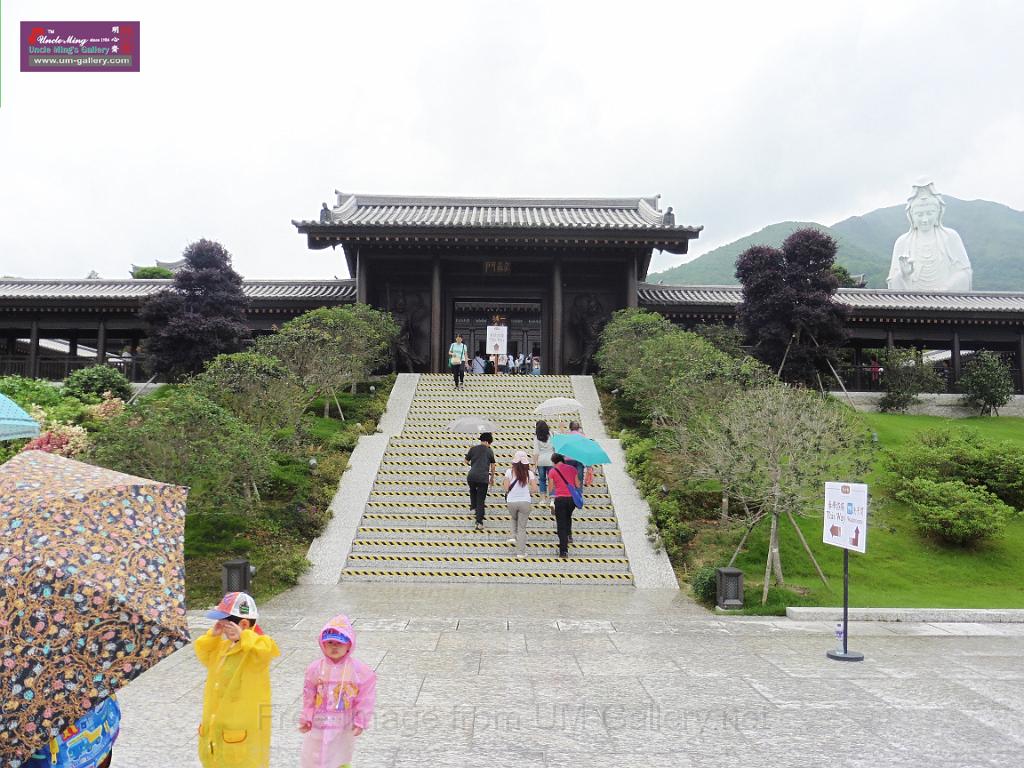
(558, 405)
(472, 425)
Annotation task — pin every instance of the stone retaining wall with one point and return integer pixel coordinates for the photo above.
(950, 406)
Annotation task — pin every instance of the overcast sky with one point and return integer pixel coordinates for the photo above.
(248, 115)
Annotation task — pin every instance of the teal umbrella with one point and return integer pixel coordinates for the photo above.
(582, 449)
(14, 422)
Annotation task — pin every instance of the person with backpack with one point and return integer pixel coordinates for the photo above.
(520, 485)
(564, 480)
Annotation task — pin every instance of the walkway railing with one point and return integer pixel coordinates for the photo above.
(58, 368)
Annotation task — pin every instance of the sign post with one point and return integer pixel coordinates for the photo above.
(846, 526)
(497, 339)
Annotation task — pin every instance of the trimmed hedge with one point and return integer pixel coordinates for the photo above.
(954, 511)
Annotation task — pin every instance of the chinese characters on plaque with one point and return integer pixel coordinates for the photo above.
(497, 267)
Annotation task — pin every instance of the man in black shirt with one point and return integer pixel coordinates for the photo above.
(480, 459)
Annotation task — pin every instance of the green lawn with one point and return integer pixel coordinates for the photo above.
(901, 568)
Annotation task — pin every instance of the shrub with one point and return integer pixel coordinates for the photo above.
(987, 383)
(726, 338)
(905, 376)
(26, 392)
(108, 409)
(90, 384)
(68, 410)
(68, 440)
(310, 520)
(187, 440)
(256, 388)
(345, 440)
(673, 531)
(954, 511)
(704, 585)
(619, 341)
(963, 454)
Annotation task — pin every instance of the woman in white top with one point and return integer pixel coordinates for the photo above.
(520, 485)
(542, 450)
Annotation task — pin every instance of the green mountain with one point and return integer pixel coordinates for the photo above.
(992, 233)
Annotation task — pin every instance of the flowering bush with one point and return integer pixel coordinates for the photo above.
(108, 409)
(63, 439)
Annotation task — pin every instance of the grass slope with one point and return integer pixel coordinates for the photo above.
(900, 568)
(991, 232)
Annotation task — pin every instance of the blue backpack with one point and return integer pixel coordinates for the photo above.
(86, 743)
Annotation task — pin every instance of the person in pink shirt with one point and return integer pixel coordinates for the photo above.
(338, 698)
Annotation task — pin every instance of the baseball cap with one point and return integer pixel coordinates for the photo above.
(333, 633)
(237, 604)
(521, 457)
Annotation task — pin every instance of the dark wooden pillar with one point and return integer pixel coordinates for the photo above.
(1020, 362)
(632, 299)
(101, 343)
(858, 368)
(554, 365)
(955, 354)
(33, 351)
(890, 340)
(435, 317)
(362, 284)
(73, 346)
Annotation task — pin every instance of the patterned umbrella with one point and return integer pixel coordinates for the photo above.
(14, 422)
(91, 590)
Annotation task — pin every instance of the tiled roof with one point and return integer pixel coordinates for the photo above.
(269, 290)
(855, 298)
(630, 214)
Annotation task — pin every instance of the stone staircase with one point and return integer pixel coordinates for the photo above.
(417, 525)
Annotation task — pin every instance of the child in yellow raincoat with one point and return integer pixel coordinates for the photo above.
(235, 730)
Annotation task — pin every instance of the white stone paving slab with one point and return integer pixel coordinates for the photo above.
(600, 682)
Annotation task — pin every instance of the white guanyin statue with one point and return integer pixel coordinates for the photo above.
(930, 257)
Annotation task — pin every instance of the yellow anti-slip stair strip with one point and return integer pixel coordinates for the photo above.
(425, 482)
(381, 530)
(463, 494)
(579, 519)
(485, 559)
(505, 544)
(446, 505)
(491, 575)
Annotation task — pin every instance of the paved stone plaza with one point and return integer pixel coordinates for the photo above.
(590, 676)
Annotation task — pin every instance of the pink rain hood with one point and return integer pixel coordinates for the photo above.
(336, 696)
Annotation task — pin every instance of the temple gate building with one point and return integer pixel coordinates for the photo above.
(552, 270)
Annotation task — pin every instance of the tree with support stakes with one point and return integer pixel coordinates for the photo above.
(200, 317)
(331, 348)
(788, 314)
(771, 449)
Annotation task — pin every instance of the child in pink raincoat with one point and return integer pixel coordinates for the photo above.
(337, 699)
